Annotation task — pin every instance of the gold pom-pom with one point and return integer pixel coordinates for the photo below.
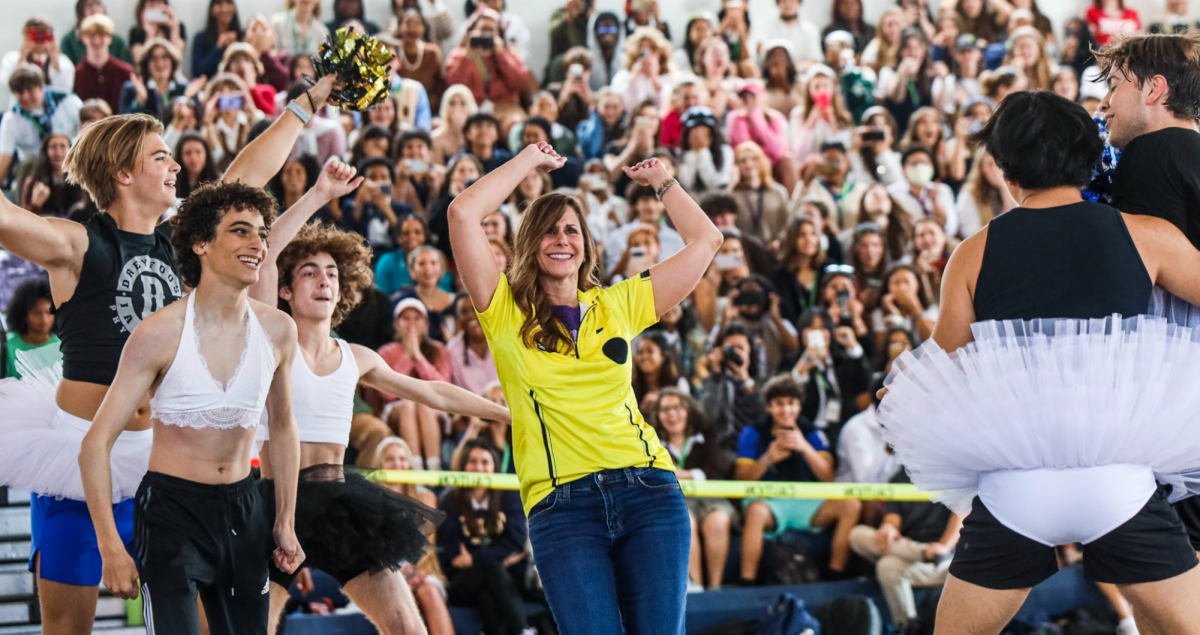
(360, 63)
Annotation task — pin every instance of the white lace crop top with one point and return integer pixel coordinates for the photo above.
(189, 397)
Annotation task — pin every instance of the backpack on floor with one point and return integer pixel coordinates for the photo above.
(789, 563)
(852, 615)
(788, 617)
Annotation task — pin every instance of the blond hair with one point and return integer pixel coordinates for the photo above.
(291, 5)
(97, 24)
(105, 148)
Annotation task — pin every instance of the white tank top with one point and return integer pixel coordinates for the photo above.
(189, 397)
(322, 405)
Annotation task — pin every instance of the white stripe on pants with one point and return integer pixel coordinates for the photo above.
(899, 570)
(147, 612)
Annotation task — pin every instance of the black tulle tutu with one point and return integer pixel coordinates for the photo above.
(348, 525)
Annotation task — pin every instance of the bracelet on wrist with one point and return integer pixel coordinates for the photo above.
(298, 110)
(666, 185)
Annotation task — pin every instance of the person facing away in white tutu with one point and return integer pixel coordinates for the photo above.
(106, 275)
(317, 276)
(1052, 418)
(1152, 112)
(212, 363)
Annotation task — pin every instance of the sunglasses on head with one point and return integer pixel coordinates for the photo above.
(846, 269)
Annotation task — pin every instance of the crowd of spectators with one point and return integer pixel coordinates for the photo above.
(835, 161)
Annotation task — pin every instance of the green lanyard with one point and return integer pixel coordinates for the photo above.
(913, 95)
(296, 33)
(37, 124)
(684, 451)
(507, 456)
(487, 79)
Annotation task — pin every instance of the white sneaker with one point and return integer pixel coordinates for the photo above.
(1127, 627)
(693, 587)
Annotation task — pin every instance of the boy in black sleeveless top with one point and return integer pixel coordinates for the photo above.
(1153, 108)
(106, 276)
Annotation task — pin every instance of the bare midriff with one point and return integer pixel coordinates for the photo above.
(207, 455)
(310, 454)
(82, 399)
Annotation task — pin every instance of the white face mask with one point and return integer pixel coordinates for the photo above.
(920, 174)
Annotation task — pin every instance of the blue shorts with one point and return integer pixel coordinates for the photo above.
(790, 513)
(62, 531)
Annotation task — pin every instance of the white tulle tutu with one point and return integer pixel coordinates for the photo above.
(1050, 395)
(1175, 310)
(40, 448)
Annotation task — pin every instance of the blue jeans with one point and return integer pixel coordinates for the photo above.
(612, 549)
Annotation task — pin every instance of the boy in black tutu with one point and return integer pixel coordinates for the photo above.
(213, 362)
(356, 531)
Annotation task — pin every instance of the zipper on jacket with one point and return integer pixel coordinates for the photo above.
(645, 444)
(583, 316)
(537, 409)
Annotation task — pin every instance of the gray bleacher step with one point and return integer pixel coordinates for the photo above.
(15, 580)
(14, 551)
(14, 521)
(14, 612)
(110, 607)
(17, 497)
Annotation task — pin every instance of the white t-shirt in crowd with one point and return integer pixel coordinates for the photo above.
(862, 452)
(804, 36)
(20, 136)
(62, 78)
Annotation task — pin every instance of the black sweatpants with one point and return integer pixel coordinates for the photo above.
(194, 538)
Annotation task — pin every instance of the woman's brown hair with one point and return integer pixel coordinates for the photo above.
(493, 520)
(1041, 75)
(900, 226)
(696, 421)
(787, 247)
(541, 327)
(143, 62)
(986, 196)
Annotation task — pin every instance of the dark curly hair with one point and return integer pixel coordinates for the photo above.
(23, 300)
(352, 255)
(202, 212)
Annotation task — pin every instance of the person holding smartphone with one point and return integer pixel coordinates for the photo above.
(833, 371)
(40, 48)
(371, 211)
(156, 19)
(785, 445)
(641, 254)
(484, 62)
(418, 178)
(822, 117)
(229, 111)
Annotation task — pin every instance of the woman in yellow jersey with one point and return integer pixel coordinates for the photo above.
(607, 521)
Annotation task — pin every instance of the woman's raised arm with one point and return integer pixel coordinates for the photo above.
(472, 252)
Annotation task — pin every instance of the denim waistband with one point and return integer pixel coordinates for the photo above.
(200, 490)
(605, 478)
